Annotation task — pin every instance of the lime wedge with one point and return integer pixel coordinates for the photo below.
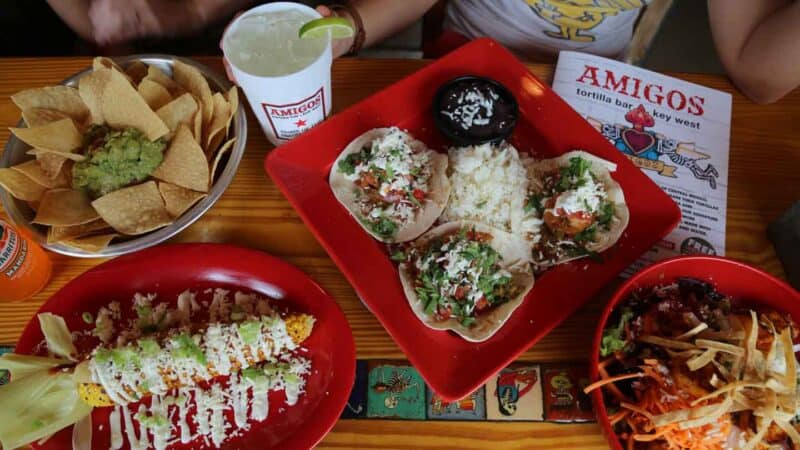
(339, 28)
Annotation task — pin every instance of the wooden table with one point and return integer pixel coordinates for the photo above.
(764, 181)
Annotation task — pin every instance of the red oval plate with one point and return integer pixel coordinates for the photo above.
(732, 278)
(169, 270)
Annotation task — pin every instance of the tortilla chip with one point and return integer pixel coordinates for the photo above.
(158, 75)
(134, 210)
(123, 107)
(222, 151)
(20, 186)
(178, 111)
(33, 170)
(190, 79)
(66, 155)
(233, 102)
(51, 163)
(222, 113)
(178, 199)
(34, 117)
(198, 124)
(103, 62)
(136, 71)
(65, 207)
(184, 163)
(91, 244)
(90, 88)
(33, 205)
(154, 94)
(61, 135)
(56, 233)
(63, 99)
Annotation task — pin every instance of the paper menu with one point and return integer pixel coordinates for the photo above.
(677, 132)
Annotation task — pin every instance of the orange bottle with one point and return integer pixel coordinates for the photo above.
(24, 265)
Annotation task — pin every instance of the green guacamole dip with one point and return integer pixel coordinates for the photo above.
(115, 159)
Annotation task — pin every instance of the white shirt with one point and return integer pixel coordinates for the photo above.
(601, 27)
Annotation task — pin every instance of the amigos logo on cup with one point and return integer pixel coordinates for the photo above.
(290, 120)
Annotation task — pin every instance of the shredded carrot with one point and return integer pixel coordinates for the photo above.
(610, 380)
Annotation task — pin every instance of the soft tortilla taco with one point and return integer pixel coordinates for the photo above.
(391, 183)
(582, 207)
(466, 277)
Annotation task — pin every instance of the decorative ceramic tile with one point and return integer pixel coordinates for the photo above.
(472, 407)
(563, 394)
(357, 403)
(5, 375)
(515, 393)
(395, 391)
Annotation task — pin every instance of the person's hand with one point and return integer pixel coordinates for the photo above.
(339, 46)
(118, 21)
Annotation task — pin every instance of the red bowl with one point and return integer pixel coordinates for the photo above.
(730, 277)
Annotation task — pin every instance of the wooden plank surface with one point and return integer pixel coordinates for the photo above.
(764, 180)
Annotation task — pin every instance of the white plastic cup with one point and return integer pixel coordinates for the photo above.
(286, 105)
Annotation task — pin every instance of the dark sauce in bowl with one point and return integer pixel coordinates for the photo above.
(473, 110)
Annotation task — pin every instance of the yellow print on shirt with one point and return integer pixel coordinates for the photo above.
(574, 17)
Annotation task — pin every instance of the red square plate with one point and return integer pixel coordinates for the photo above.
(547, 127)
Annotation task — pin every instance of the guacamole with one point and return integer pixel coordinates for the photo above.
(115, 159)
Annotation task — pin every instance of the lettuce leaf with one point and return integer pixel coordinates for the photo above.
(57, 336)
(613, 340)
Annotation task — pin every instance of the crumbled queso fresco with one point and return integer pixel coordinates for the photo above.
(470, 107)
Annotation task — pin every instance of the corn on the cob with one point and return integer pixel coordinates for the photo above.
(156, 365)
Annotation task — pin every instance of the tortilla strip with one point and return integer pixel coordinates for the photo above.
(226, 147)
(77, 157)
(439, 189)
(214, 131)
(90, 89)
(158, 75)
(514, 254)
(35, 117)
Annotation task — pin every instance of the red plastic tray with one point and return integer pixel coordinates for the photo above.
(168, 270)
(547, 127)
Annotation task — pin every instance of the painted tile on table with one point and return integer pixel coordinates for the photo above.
(395, 391)
(5, 375)
(515, 393)
(471, 407)
(356, 406)
(563, 394)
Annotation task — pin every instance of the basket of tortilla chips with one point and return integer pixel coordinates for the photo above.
(121, 156)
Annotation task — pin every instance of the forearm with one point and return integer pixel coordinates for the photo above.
(75, 13)
(384, 18)
(762, 60)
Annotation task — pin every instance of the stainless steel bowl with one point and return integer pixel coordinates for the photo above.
(21, 214)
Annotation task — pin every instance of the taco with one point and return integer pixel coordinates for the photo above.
(582, 208)
(466, 277)
(391, 183)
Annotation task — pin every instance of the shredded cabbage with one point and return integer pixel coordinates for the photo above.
(57, 336)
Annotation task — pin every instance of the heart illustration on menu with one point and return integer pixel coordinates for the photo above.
(638, 141)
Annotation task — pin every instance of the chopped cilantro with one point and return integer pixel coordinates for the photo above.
(606, 214)
(398, 256)
(572, 173)
(346, 166)
(383, 227)
(481, 203)
(612, 340)
(534, 202)
(410, 194)
(468, 321)
(587, 235)
(389, 172)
